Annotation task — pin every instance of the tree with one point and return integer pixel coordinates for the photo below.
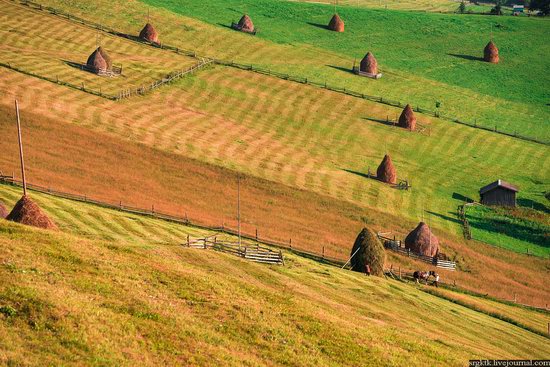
(542, 5)
(497, 10)
(462, 8)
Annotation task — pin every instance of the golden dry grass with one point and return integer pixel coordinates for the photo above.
(77, 301)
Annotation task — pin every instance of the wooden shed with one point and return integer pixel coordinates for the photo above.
(498, 193)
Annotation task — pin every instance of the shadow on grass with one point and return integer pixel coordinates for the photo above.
(318, 25)
(528, 203)
(467, 57)
(347, 70)
(461, 197)
(225, 26)
(446, 217)
(525, 231)
(360, 174)
(380, 121)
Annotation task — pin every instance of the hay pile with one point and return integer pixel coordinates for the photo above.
(99, 61)
(336, 24)
(369, 64)
(28, 212)
(386, 171)
(407, 119)
(422, 241)
(245, 24)
(3, 211)
(490, 53)
(149, 33)
(371, 251)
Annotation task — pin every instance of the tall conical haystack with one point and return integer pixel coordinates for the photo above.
(369, 64)
(422, 241)
(490, 53)
(386, 171)
(407, 119)
(371, 251)
(245, 24)
(336, 24)
(28, 212)
(106, 57)
(149, 33)
(96, 62)
(3, 211)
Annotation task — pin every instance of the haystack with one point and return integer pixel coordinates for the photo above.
(149, 33)
(3, 211)
(407, 119)
(369, 64)
(245, 24)
(422, 241)
(371, 252)
(386, 171)
(99, 61)
(28, 212)
(96, 62)
(336, 24)
(490, 53)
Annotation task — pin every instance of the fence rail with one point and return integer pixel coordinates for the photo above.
(256, 253)
(397, 246)
(250, 67)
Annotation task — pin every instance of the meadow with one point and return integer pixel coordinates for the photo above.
(518, 233)
(439, 6)
(52, 47)
(437, 62)
(74, 300)
(196, 135)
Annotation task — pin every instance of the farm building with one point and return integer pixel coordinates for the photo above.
(498, 193)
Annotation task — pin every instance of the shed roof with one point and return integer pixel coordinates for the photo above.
(498, 183)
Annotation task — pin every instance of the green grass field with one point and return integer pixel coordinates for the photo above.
(500, 227)
(436, 62)
(106, 301)
(439, 6)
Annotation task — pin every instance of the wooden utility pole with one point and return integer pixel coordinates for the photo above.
(21, 149)
(239, 208)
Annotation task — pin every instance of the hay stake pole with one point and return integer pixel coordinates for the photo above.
(21, 149)
(239, 208)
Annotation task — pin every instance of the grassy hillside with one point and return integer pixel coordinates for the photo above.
(179, 185)
(438, 6)
(443, 50)
(523, 230)
(78, 301)
(53, 47)
(302, 163)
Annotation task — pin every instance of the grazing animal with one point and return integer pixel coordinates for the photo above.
(424, 275)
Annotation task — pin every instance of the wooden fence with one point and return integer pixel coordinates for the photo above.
(127, 93)
(254, 253)
(461, 213)
(298, 79)
(397, 246)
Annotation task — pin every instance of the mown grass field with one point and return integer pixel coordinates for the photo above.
(81, 301)
(49, 46)
(258, 125)
(439, 61)
(444, 6)
(512, 231)
(104, 167)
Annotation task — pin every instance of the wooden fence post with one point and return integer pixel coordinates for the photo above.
(188, 244)
(323, 255)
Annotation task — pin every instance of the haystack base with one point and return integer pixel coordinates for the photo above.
(365, 74)
(114, 72)
(237, 27)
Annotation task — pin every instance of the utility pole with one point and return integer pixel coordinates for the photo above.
(21, 149)
(239, 208)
